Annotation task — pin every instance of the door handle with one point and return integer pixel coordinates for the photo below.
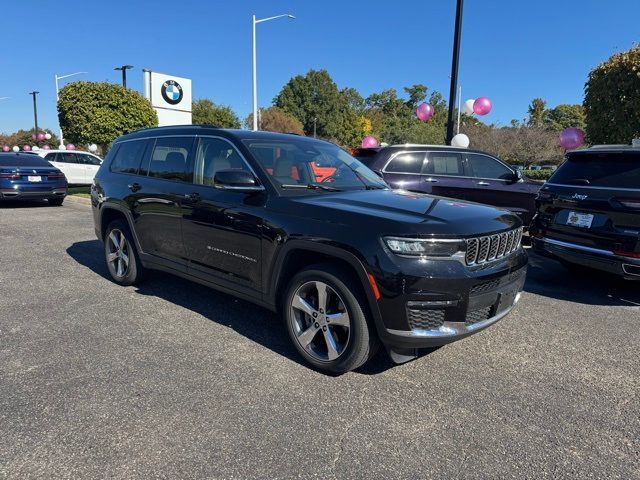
(134, 187)
(484, 184)
(192, 197)
(431, 180)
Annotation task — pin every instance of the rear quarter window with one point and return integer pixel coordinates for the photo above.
(128, 157)
(603, 169)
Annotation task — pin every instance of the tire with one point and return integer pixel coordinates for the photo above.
(55, 202)
(324, 336)
(121, 255)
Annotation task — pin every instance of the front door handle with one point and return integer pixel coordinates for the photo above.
(134, 187)
(431, 180)
(484, 184)
(192, 197)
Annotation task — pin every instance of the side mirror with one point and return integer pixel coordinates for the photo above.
(379, 173)
(517, 176)
(239, 180)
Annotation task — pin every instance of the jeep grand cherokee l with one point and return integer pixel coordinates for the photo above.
(589, 211)
(347, 261)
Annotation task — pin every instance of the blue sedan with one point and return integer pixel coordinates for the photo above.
(30, 177)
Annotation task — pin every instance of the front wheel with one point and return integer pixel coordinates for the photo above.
(326, 320)
(121, 255)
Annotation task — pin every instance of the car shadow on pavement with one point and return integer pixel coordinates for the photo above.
(253, 322)
(549, 278)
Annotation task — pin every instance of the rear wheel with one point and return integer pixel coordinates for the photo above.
(121, 255)
(55, 202)
(326, 320)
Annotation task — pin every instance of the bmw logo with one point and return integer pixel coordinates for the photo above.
(171, 92)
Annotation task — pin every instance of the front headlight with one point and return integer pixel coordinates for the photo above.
(424, 247)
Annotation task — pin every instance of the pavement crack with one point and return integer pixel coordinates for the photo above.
(346, 431)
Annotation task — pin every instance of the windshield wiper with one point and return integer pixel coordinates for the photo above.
(311, 186)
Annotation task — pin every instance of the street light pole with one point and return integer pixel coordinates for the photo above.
(454, 71)
(58, 78)
(254, 22)
(35, 111)
(124, 69)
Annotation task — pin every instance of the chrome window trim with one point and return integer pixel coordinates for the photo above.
(592, 188)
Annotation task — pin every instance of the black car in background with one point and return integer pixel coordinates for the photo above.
(299, 226)
(589, 211)
(29, 177)
(453, 172)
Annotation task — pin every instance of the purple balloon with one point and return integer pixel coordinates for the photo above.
(368, 142)
(482, 106)
(571, 138)
(46, 147)
(26, 148)
(41, 136)
(6, 148)
(424, 112)
(33, 136)
(71, 146)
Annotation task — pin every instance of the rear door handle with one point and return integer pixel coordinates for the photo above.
(431, 180)
(134, 187)
(192, 197)
(484, 184)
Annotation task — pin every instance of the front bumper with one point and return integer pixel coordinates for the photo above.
(596, 258)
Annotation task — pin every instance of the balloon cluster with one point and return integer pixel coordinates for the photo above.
(480, 106)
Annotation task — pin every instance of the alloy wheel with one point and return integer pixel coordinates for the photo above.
(320, 319)
(118, 253)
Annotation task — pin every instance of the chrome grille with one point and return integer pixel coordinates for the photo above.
(484, 249)
(426, 319)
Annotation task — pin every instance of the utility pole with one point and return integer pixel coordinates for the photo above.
(35, 111)
(454, 71)
(124, 69)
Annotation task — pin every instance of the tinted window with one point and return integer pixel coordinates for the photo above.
(169, 159)
(613, 170)
(13, 160)
(128, 157)
(51, 157)
(213, 155)
(66, 157)
(406, 162)
(88, 159)
(444, 163)
(483, 166)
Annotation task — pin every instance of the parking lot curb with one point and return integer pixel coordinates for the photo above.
(76, 199)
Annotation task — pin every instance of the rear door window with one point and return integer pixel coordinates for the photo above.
(444, 163)
(406, 162)
(604, 169)
(170, 159)
(128, 157)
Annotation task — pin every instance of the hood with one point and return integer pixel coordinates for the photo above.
(402, 212)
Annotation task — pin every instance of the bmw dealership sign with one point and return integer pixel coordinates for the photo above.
(170, 96)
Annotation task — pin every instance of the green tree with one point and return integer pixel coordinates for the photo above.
(417, 93)
(537, 111)
(612, 96)
(274, 119)
(24, 137)
(565, 116)
(315, 98)
(99, 112)
(205, 112)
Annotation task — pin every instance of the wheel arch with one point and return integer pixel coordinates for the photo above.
(112, 211)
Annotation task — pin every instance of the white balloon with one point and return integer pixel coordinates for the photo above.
(61, 147)
(35, 148)
(467, 108)
(47, 136)
(16, 148)
(460, 140)
(93, 147)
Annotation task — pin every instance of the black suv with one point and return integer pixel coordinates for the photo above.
(589, 211)
(299, 226)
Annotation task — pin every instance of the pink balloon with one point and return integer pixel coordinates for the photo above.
(571, 138)
(424, 112)
(33, 136)
(41, 136)
(46, 147)
(71, 146)
(368, 142)
(482, 106)
(6, 148)
(26, 148)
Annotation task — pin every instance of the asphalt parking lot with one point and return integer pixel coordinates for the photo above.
(174, 380)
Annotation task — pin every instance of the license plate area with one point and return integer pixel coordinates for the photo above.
(581, 220)
(34, 178)
(506, 300)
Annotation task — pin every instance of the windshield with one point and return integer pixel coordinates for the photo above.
(604, 169)
(300, 162)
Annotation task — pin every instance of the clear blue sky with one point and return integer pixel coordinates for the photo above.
(512, 51)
